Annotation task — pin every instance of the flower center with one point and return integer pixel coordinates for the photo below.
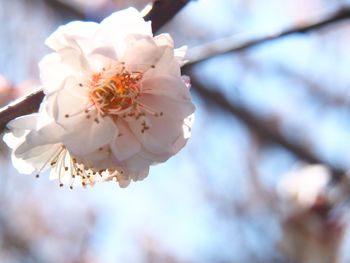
(115, 94)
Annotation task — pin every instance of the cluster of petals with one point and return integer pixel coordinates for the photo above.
(115, 103)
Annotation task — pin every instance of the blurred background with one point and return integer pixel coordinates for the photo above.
(263, 178)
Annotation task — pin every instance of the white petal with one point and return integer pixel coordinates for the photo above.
(167, 64)
(161, 135)
(11, 140)
(125, 144)
(165, 135)
(140, 175)
(172, 87)
(86, 136)
(26, 122)
(142, 50)
(103, 53)
(152, 157)
(48, 134)
(164, 40)
(78, 29)
(180, 54)
(55, 68)
(41, 162)
(123, 181)
(169, 107)
(22, 166)
(125, 22)
(114, 29)
(70, 100)
(26, 151)
(22, 124)
(137, 163)
(100, 159)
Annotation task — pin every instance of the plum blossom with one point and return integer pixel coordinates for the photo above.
(115, 103)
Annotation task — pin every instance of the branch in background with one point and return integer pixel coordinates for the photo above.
(229, 45)
(314, 85)
(318, 90)
(259, 126)
(161, 12)
(65, 9)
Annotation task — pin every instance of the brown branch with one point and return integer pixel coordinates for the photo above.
(161, 12)
(259, 126)
(22, 106)
(229, 45)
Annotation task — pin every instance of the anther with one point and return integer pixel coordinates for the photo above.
(66, 116)
(61, 185)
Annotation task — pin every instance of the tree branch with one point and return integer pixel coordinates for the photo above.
(162, 11)
(259, 126)
(230, 45)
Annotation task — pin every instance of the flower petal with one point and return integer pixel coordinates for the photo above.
(88, 135)
(142, 50)
(26, 122)
(169, 86)
(77, 29)
(161, 135)
(55, 68)
(164, 40)
(125, 144)
(114, 29)
(167, 64)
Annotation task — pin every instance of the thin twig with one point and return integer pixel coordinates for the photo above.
(259, 126)
(162, 11)
(230, 45)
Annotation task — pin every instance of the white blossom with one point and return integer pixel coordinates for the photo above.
(115, 103)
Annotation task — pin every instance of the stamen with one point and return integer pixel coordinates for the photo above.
(115, 93)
